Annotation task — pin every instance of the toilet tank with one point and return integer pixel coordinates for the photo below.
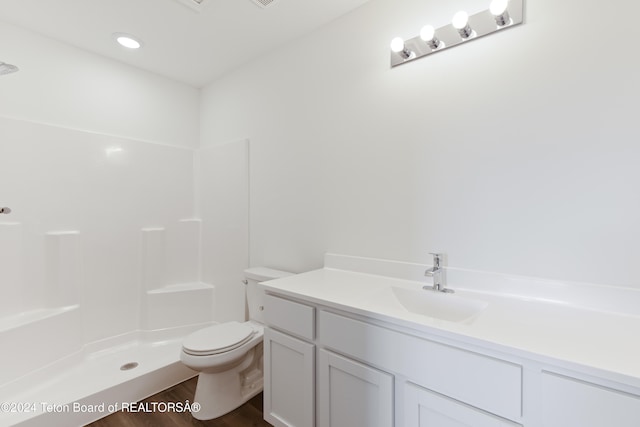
(255, 295)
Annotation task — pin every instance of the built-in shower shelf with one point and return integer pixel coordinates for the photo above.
(178, 305)
(26, 317)
(182, 287)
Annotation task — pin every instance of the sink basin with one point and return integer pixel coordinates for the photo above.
(450, 307)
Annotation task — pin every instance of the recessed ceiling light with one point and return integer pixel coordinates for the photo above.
(127, 40)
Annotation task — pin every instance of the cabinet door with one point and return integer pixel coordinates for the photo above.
(424, 408)
(352, 394)
(289, 365)
(571, 402)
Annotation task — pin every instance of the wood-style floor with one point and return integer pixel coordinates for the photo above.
(248, 415)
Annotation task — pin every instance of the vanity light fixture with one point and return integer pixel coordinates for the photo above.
(498, 9)
(127, 40)
(398, 46)
(460, 22)
(428, 35)
(463, 28)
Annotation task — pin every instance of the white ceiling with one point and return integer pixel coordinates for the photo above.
(180, 43)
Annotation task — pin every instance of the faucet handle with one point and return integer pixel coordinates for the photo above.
(437, 257)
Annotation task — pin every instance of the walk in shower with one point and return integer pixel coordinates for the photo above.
(101, 253)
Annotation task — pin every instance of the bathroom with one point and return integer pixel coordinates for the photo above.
(513, 154)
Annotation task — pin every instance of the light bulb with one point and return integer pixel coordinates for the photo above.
(427, 32)
(498, 9)
(428, 35)
(397, 45)
(460, 22)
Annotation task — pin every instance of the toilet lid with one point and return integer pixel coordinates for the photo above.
(217, 338)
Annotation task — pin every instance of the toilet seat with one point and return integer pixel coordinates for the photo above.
(217, 339)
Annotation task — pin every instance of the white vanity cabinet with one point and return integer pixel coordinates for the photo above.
(351, 394)
(478, 390)
(569, 401)
(289, 364)
(355, 375)
(329, 367)
(425, 408)
(523, 361)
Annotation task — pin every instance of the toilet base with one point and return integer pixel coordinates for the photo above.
(221, 392)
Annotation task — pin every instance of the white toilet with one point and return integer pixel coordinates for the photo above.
(229, 355)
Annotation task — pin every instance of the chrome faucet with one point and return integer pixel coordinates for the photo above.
(438, 276)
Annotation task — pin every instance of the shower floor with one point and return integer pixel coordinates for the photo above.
(89, 385)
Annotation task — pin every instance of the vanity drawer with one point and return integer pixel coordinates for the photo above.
(484, 382)
(289, 316)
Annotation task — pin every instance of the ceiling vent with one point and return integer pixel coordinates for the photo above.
(264, 3)
(196, 5)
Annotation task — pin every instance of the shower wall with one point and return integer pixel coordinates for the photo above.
(102, 233)
(80, 204)
(97, 163)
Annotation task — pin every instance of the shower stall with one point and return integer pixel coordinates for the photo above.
(108, 257)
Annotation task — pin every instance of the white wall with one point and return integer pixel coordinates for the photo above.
(515, 153)
(222, 193)
(65, 86)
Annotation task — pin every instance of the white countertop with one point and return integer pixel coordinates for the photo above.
(605, 344)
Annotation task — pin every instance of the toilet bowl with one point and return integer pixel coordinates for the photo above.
(229, 355)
